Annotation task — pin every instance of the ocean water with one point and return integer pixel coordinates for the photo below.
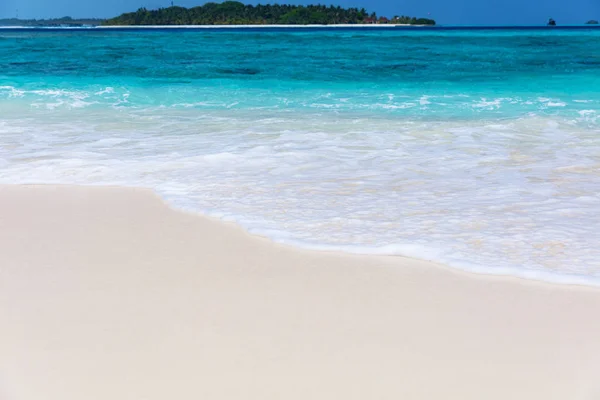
(476, 148)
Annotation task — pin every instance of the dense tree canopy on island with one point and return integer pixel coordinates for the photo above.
(236, 13)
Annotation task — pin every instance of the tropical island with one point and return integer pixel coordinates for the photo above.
(592, 22)
(236, 13)
(55, 22)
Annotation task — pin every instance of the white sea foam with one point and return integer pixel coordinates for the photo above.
(518, 196)
(62, 98)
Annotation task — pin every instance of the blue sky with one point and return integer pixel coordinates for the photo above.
(474, 12)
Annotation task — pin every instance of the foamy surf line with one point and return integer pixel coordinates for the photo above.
(396, 250)
(407, 250)
(412, 251)
(284, 187)
(229, 180)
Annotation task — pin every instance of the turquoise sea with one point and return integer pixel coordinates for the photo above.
(478, 148)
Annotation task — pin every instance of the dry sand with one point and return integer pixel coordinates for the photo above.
(106, 293)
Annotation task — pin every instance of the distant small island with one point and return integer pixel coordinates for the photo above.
(592, 22)
(236, 13)
(55, 22)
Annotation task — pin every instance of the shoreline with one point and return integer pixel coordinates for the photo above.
(151, 195)
(529, 275)
(460, 266)
(105, 292)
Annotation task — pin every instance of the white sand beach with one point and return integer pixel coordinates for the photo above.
(106, 293)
